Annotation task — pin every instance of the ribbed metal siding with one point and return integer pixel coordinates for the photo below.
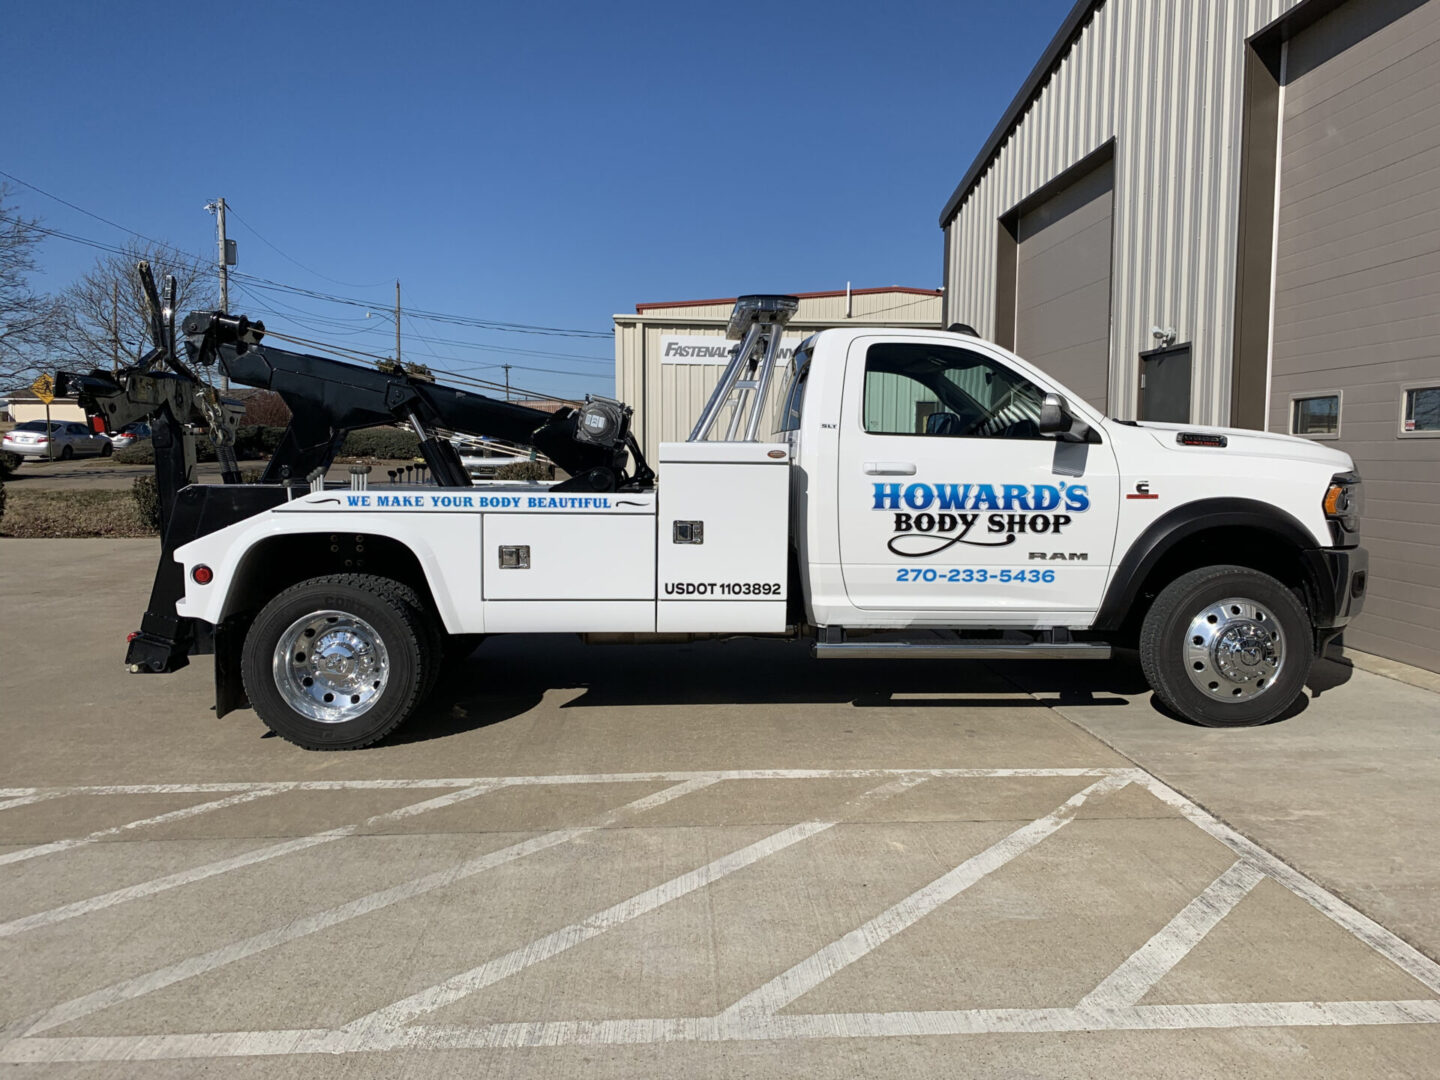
(1163, 78)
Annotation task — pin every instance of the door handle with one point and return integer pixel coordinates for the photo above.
(889, 468)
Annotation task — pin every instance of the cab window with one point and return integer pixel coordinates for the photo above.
(795, 393)
(947, 392)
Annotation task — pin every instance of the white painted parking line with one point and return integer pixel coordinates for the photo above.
(10, 802)
(517, 960)
(1400, 953)
(815, 969)
(151, 981)
(1110, 1007)
(159, 819)
(1145, 967)
(641, 1032)
(670, 776)
(234, 862)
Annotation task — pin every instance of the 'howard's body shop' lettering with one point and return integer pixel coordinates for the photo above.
(945, 514)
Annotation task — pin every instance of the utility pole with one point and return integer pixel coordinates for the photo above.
(397, 320)
(218, 208)
(507, 381)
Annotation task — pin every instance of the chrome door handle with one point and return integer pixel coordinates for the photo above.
(889, 468)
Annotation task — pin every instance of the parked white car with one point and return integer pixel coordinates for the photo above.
(34, 440)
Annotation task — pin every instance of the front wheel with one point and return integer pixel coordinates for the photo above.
(336, 662)
(1226, 646)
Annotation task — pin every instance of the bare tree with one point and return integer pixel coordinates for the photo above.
(105, 317)
(26, 316)
(266, 408)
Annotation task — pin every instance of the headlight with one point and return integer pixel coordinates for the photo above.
(1344, 503)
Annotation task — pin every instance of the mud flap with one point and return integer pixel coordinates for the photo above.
(229, 687)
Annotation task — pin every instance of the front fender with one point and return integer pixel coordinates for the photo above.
(1169, 530)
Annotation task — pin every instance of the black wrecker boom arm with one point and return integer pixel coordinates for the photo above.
(328, 399)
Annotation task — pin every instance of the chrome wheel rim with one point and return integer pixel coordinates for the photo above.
(331, 666)
(1234, 649)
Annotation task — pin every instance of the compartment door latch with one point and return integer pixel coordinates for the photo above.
(515, 557)
(689, 532)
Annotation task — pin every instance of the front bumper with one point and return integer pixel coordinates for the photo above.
(1341, 577)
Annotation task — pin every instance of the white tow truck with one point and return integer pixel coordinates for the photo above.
(924, 494)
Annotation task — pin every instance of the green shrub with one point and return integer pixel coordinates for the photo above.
(525, 470)
(8, 464)
(2, 500)
(146, 494)
(140, 453)
(251, 443)
(143, 452)
(384, 443)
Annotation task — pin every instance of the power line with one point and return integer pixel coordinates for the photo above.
(351, 352)
(266, 283)
(297, 262)
(582, 376)
(429, 316)
(91, 214)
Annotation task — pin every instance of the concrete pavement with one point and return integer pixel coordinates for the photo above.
(710, 860)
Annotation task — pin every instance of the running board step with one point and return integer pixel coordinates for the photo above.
(962, 650)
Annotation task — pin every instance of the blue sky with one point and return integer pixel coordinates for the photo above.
(536, 163)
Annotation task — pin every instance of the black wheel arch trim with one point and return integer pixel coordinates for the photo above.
(1199, 516)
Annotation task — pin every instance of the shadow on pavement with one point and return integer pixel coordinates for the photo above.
(508, 676)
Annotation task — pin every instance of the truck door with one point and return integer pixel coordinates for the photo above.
(950, 500)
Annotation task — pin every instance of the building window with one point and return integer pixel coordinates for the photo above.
(1317, 417)
(1420, 410)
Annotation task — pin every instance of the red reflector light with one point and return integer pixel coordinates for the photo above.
(202, 575)
(131, 636)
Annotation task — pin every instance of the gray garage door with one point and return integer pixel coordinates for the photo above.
(1357, 302)
(1062, 285)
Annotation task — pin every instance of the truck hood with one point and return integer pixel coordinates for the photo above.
(1247, 442)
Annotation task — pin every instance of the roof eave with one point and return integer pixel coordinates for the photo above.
(1029, 90)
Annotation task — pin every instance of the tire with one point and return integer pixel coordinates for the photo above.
(429, 624)
(107, 449)
(66, 453)
(1226, 646)
(378, 655)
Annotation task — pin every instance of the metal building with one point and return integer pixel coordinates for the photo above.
(1228, 212)
(669, 356)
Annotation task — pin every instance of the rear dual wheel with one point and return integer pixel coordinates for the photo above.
(339, 662)
(1226, 646)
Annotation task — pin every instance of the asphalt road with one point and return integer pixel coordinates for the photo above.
(712, 860)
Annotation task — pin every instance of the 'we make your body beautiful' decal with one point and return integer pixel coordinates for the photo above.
(929, 518)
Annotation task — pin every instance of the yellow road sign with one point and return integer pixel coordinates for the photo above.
(44, 388)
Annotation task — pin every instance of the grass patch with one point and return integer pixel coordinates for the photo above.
(51, 515)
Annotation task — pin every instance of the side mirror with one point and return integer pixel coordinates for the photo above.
(1057, 419)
